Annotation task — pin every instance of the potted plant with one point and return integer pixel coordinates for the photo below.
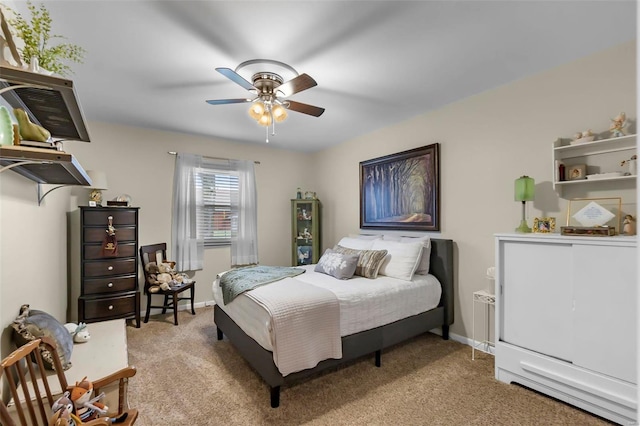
(37, 50)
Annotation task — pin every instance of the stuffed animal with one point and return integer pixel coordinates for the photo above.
(79, 332)
(157, 280)
(76, 407)
(63, 412)
(87, 408)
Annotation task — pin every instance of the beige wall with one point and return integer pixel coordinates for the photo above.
(486, 142)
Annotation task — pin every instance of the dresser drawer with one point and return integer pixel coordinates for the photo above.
(110, 267)
(101, 217)
(109, 285)
(108, 307)
(96, 235)
(94, 252)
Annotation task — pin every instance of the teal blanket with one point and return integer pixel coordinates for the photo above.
(237, 281)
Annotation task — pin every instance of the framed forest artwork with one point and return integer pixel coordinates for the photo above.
(401, 191)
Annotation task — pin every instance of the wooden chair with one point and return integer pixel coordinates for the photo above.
(152, 253)
(31, 387)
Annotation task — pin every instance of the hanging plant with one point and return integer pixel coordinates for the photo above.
(37, 38)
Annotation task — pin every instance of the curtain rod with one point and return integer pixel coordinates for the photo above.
(211, 158)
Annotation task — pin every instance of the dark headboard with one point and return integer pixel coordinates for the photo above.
(441, 266)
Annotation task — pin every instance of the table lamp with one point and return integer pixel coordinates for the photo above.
(524, 191)
(98, 184)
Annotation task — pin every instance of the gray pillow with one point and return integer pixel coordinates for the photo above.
(369, 261)
(338, 265)
(32, 324)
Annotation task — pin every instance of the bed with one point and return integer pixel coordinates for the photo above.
(370, 341)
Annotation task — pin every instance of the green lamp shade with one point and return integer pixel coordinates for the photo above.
(524, 189)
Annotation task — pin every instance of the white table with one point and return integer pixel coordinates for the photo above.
(487, 299)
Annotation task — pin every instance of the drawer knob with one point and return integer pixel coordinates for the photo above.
(110, 268)
(111, 307)
(110, 285)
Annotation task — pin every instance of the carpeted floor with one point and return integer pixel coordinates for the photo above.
(187, 377)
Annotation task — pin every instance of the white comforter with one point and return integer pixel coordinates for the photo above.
(305, 320)
(364, 303)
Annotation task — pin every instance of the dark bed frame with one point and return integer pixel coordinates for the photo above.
(358, 344)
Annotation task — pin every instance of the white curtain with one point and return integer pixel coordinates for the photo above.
(186, 248)
(244, 236)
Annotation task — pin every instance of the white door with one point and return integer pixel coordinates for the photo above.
(537, 296)
(605, 319)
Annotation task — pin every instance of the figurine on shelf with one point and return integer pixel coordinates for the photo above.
(617, 125)
(629, 225)
(586, 136)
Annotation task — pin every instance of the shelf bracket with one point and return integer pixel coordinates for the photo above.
(41, 196)
(22, 163)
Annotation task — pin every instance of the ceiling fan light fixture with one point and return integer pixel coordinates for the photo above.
(279, 113)
(265, 119)
(256, 110)
(269, 80)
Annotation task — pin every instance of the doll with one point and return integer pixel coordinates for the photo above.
(629, 225)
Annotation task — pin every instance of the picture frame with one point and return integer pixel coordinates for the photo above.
(604, 213)
(401, 191)
(576, 172)
(544, 225)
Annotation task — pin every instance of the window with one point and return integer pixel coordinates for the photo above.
(215, 186)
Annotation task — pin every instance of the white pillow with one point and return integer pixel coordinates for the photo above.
(402, 258)
(388, 237)
(355, 243)
(366, 237)
(423, 266)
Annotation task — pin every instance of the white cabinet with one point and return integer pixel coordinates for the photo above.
(566, 319)
(599, 157)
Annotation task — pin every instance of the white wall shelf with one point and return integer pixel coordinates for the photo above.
(600, 155)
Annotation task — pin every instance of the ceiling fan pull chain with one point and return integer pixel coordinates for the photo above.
(266, 131)
(273, 123)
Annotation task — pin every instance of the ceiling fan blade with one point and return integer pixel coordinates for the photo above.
(228, 101)
(304, 108)
(297, 84)
(236, 78)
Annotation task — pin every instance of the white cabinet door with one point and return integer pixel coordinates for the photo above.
(605, 317)
(536, 303)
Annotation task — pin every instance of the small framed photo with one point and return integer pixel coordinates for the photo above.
(576, 172)
(93, 204)
(544, 225)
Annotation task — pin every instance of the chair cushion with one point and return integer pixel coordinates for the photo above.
(32, 324)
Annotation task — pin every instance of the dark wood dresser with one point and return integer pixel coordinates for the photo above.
(104, 284)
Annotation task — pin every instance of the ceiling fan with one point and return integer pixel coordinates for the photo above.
(269, 105)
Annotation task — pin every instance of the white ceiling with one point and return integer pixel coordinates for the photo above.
(151, 63)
